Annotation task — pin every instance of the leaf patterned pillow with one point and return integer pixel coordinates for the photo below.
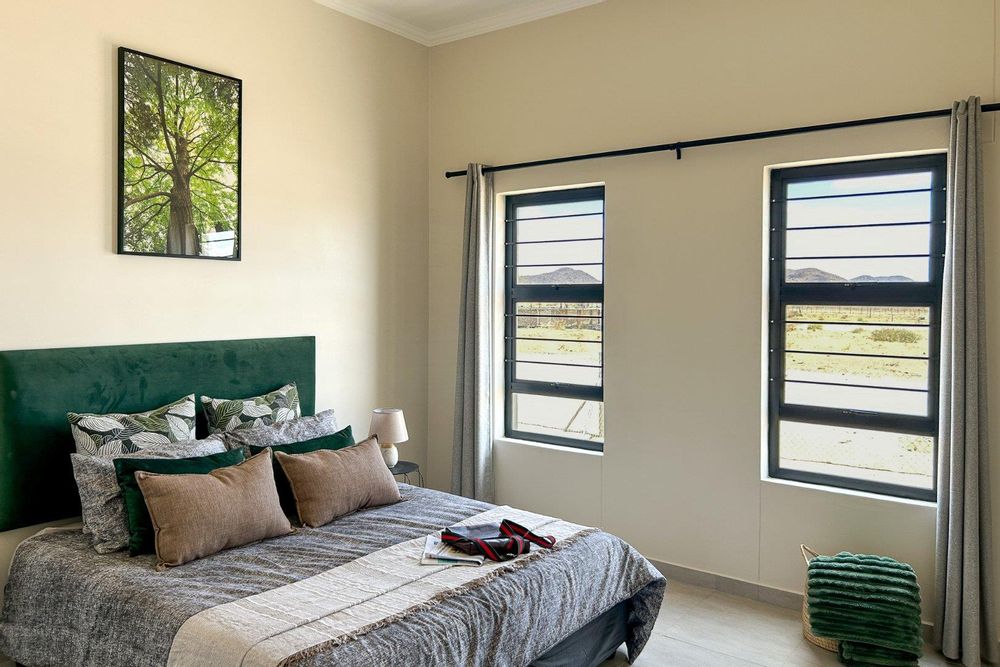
(226, 414)
(114, 434)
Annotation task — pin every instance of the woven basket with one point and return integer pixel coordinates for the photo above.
(824, 643)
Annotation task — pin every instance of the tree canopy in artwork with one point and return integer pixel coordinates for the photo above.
(181, 156)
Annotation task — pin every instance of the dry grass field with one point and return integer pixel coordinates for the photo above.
(816, 347)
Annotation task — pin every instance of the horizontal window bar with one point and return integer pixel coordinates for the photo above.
(855, 483)
(911, 256)
(550, 363)
(560, 196)
(848, 295)
(856, 324)
(860, 294)
(911, 165)
(849, 354)
(557, 375)
(860, 225)
(875, 421)
(856, 386)
(559, 390)
(847, 195)
(516, 386)
(529, 266)
(556, 315)
(564, 293)
(554, 340)
(592, 238)
(557, 217)
(578, 443)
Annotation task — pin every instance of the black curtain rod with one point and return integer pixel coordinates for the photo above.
(679, 146)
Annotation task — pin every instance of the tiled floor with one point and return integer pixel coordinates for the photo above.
(699, 627)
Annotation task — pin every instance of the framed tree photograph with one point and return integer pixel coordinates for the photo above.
(179, 141)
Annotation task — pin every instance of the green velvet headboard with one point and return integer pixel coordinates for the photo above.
(38, 388)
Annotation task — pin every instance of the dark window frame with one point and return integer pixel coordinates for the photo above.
(848, 294)
(514, 293)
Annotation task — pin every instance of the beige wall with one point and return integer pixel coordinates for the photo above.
(334, 192)
(681, 474)
(336, 240)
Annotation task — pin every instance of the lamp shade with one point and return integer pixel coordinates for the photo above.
(388, 424)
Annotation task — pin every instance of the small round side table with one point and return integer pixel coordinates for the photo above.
(405, 468)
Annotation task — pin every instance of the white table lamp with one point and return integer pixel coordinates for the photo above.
(390, 427)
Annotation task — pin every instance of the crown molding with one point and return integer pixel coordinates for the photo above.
(380, 19)
(539, 10)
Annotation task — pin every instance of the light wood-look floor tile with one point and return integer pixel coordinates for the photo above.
(701, 627)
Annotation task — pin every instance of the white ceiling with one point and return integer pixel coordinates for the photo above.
(433, 22)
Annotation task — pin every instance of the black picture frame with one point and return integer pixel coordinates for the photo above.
(121, 247)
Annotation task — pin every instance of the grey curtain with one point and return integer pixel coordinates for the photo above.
(964, 623)
(472, 457)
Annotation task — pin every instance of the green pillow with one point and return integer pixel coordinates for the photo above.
(342, 438)
(142, 539)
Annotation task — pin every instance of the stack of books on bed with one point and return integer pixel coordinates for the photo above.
(437, 552)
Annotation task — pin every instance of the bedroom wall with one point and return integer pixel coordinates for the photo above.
(681, 474)
(334, 193)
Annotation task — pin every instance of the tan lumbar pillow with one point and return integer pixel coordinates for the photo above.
(332, 482)
(198, 515)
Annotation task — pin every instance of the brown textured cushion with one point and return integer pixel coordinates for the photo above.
(198, 515)
(332, 482)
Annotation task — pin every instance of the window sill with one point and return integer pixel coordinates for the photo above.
(820, 488)
(564, 449)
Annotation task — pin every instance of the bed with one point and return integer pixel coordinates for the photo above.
(278, 601)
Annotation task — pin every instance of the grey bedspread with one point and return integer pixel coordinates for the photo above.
(67, 605)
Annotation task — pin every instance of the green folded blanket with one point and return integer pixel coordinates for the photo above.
(851, 603)
(865, 622)
(863, 655)
(871, 604)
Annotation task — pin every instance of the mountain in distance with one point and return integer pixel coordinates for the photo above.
(881, 279)
(564, 275)
(813, 275)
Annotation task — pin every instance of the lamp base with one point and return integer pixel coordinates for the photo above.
(390, 454)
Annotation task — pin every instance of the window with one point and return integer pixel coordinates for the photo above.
(857, 256)
(554, 317)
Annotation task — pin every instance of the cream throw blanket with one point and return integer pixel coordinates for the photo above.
(340, 604)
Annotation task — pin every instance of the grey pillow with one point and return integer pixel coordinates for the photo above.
(101, 498)
(283, 433)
